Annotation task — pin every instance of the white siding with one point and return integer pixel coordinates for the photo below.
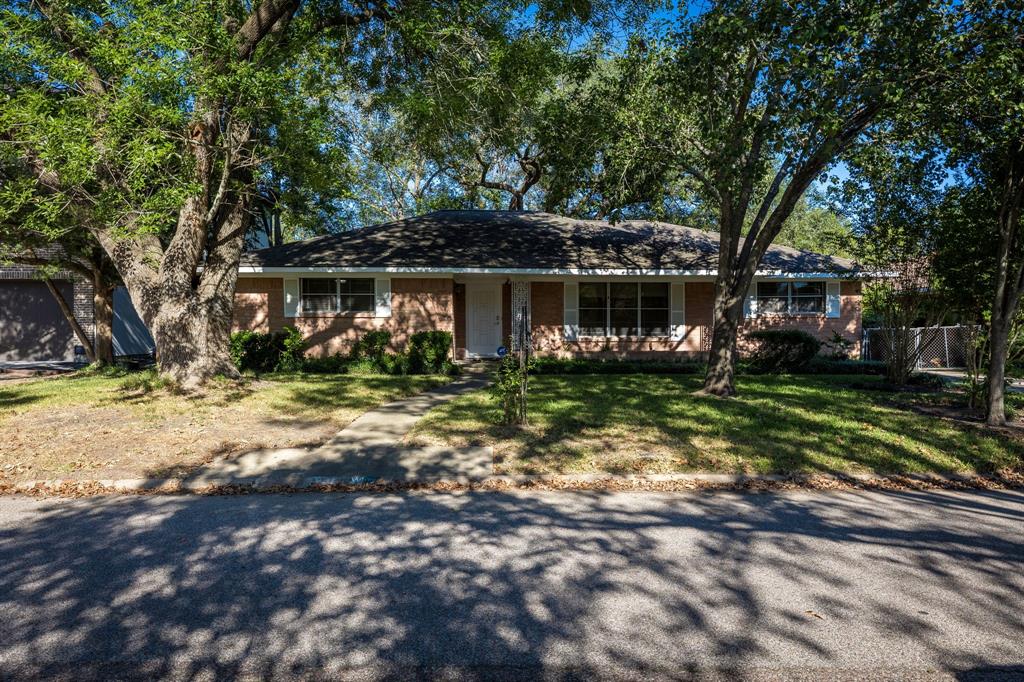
(832, 299)
(677, 316)
(291, 297)
(382, 297)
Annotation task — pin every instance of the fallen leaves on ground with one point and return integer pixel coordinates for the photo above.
(1002, 480)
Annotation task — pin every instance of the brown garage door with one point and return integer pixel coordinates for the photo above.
(32, 326)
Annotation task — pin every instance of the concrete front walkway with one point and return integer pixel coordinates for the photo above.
(367, 450)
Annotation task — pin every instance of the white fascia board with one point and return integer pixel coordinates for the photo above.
(564, 272)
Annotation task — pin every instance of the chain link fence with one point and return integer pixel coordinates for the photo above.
(940, 347)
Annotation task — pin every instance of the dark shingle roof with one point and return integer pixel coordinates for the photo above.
(525, 240)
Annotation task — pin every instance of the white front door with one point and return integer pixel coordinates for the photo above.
(483, 318)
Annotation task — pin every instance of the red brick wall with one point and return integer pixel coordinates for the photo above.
(546, 316)
(700, 306)
(259, 304)
(546, 309)
(848, 323)
(547, 325)
(417, 304)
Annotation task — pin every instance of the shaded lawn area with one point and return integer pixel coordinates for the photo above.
(778, 424)
(98, 427)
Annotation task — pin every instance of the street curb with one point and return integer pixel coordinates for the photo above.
(585, 482)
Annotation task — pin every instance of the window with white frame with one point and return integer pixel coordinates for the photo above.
(324, 295)
(791, 298)
(624, 308)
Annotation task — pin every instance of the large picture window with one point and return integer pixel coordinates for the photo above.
(624, 308)
(322, 295)
(593, 308)
(791, 298)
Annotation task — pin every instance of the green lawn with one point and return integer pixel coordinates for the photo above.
(89, 426)
(654, 424)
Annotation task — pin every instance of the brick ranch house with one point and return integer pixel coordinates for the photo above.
(586, 288)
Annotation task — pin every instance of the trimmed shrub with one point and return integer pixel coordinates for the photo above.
(838, 347)
(615, 366)
(281, 351)
(293, 350)
(373, 345)
(430, 352)
(780, 351)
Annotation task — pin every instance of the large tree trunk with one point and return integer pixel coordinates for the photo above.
(998, 340)
(192, 341)
(191, 325)
(103, 315)
(728, 315)
(187, 302)
(1009, 285)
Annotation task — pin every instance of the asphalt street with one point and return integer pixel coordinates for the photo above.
(569, 585)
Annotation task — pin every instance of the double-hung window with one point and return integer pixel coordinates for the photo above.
(624, 308)
(791, 298)
(323, 295)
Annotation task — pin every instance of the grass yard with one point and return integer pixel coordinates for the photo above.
(100, 427)
(653, 424)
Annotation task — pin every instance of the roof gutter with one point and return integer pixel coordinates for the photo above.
(573, 272)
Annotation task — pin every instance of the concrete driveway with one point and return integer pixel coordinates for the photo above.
(852, 585)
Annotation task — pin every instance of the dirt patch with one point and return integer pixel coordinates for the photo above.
(94, 427)
(90, 442)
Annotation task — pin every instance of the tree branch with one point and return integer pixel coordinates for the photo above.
(261, 21)
(38, 261)
(94, 83)
(69, 315)
(328, 21)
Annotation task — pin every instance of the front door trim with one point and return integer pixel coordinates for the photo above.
(477, 329)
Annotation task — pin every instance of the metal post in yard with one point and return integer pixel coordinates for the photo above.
(945, 339)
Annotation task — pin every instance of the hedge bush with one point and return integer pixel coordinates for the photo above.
(779, 351)
(430, 353)
(281, 351)
(372, 345)
(614, 366)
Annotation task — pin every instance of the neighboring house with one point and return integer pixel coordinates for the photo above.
(33, 328)
(633, 289)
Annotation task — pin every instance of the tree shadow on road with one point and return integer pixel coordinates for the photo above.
(497, 585)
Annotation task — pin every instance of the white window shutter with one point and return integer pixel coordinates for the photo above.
(750, 302)
(832, 299)
(382, 296)
(677, 316)
(291, 298)
(571, 317)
